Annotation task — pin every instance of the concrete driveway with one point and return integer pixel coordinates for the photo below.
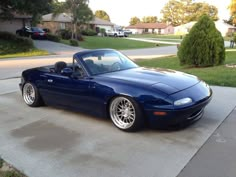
(51, 142)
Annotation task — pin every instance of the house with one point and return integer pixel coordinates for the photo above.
(223, 27)
(63, 21)
(17, 22)
(158, 28)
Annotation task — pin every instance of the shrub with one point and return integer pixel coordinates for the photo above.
(203, 46)
(54, 38)
(89, 32)
(80, 37)
(25, 43)
(7, 36)
(65, 34)
(74, 42)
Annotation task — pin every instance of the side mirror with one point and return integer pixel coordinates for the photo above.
(67, 72)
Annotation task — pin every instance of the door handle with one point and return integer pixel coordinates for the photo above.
(50, 80)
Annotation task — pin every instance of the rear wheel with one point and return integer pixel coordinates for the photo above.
(126, 114)
(31, 95)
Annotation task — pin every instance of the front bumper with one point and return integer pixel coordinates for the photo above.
(185, 115)
(176, 118)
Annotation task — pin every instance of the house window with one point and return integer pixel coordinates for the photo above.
(62, 26)
(146, 30)
(159, 30)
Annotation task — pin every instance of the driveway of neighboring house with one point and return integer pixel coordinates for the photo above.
(55, 47)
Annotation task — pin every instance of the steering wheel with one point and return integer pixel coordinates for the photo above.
(115, 66)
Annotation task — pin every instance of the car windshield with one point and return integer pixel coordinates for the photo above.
(107, 61)
(35, 29)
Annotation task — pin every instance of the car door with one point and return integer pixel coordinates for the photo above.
(73, 92)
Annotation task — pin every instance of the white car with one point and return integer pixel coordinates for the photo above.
(115, 33)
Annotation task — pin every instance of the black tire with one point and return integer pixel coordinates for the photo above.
(32, 99)
(123, 120)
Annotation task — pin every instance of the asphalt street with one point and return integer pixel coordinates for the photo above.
(13, 67)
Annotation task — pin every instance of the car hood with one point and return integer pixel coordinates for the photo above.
(165, 80)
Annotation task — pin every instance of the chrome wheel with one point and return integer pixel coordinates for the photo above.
(122, 112)
(29, 94)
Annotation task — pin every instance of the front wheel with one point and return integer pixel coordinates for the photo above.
(31, 95)
(126, 114)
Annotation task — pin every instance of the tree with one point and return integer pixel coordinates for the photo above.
(178, 12)
(102, 14)
(149, 19)
(198, 9)
(203, 46)
(134, 21)
(232, 8)
(78, 11)
(34, 8)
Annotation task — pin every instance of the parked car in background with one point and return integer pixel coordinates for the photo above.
(127, 33)
(115, 33)
(33, 32)
(25, 31)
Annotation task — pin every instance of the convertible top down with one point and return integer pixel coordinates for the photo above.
(107, 83)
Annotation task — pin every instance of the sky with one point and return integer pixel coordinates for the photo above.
(120, 11)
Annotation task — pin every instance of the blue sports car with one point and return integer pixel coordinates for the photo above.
(106, 83)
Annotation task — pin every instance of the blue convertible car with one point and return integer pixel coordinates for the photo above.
(107, 83)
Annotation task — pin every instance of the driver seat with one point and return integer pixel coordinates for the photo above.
(59, 66)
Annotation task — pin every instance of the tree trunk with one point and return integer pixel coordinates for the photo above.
(76, 23)
(72, 30)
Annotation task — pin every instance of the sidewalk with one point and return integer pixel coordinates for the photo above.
(217, 157)
(153, 40)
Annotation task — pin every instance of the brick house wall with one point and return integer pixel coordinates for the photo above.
(55, 26)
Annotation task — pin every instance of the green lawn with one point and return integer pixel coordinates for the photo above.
(164, 37)
(11, 49)
(170, 36)
(95, 42)
(218, 75)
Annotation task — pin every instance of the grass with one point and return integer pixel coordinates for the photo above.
(33, 52)
(7, 170)
(10, 174)
(217, 75)
(169, 36)
(164, 37)
(96, 42)
(11, 49)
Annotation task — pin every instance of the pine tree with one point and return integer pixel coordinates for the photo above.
(203, 46)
